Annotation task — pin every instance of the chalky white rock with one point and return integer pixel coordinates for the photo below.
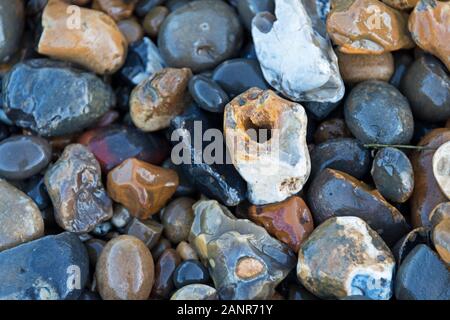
(441, 168)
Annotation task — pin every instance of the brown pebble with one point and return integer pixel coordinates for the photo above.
(116, 9)
(154, 19)
(401, 4)
(441, 240)
(177, 219)
(148, 231)
(186, 252)
(131, 29)
(331, 129)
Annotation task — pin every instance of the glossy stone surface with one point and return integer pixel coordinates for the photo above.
(345, 257)
(280, 39)
(177, 219)
(208, 94)
(356, 68)
(164, 270)
(59, 273)
(121, 216)
(148, 231)
(334, 193)
(289, 221)
(200, 35)
(393, 174)
(408, 242)
(11, 27)
(333, 128)
(160, 248)
(72, 99)
(141, 187)
(368, 27)
(196, 292)
(422, 276)
(125, 270)
(160, 98)
(355, 160)
(131, 30)
(248, 9)
(20, 218)
(376, 112)
(186, 252)
(274, 167)
(190, 272)
(225, 243)
(154, 19)
(426, 84)
(23, 156)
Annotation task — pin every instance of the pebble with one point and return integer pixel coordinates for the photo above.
(376, 112)
(190, 272)
(95, 43)
(121, 216)
(439, 213)
(74, 184)
(131, 30)
(357, 68)
(185, 186)
(125, 270)
(393, 174)
(441, 240)
(50, 268)
(141, 187)
(160, 98)
(23, 156)
(196, 292)
(345, 257)
(402, 61)
(320, 110)
(248, 9)
(72, 100)
(355, 161)
(225, 243)
(186, 252)
(281, 39)
(164, 271)
(154, 19)
(236, 76)
(36, 190)
(401, 4)
(333, 128)
(102, 229)
(200, 35)
(428, 24)
(160, 248)
(367, 27)
(274, 167)
(20, 218)
(289, 221)
(216, 181)
(408, 242)
(12, 23)
(116, 9)
(94, 248)
(148, 231)
(422, 276)
(426, 84)
(441, 168)
(208, 94)
(177, 219)
(334, 194)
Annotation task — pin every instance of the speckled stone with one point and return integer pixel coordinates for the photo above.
(177, 218)
(345, 257)
(12, 17)
(196, 292)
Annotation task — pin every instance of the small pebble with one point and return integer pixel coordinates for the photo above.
(177, 219)
(121, 216)
(196, 292)
(154, 19)
(190, 272)
(208, 94)
(186, 252)
(356, 68)
(131, 29)
(405, 245)
(333, 128)
(164, 270)
(148, 231)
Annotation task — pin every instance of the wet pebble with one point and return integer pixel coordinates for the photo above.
(190, 272)
(154, 19)
(333, 128)
(177, 219)
(131, 29)
(208, 94)
(196, 292)
(186, 252)
(164, 271)
(356, 68)
(148, 231)
(121, 216)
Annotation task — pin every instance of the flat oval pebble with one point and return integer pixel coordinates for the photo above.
(23, 156)
(12, 22)
(345, 257)
(208, 94)
(125, 270)
(196, 292)
(190, 272)
(356, 68)
(164, 270)
(177, 219)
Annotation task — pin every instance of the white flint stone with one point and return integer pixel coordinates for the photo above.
(441, 168)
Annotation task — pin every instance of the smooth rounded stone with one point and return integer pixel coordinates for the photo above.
(355, 161)
(186, 252)
(401, 4)
(54, 99)
(320, 110)
(141, 187)
(216, 179)
(297, 31)
(125, 270)
(289, 221)
(333, 128)
(91, 39)
(94, 249)
(148, 231)
(196, 292)
(266, 137)
(439, 213)
(236, 76)
(116, 9)
(23, 156)
(248, 9)
(160, 98)
(428, 24)
(426, 84)
(427, 194)
(441, 240)
(115, 144)
(200, 35)
(208, 94)
(144, 6)
(20, 218)
(177, 218)
(225, 243)
(143, 61)
(376, 112)
(334, 194)
(422, 276)
(164, 270)
(36, 190)
(367, 27)
(402, 61)
(185, 186)
(190, 272)
(408, 242)
(12, 21)
(121, 216)
(356, 68)
(50, 268)
(154, 19)
(74, 184)
(131, 29)
(173, 5)
(160, 248)
(345, 257)
(393, 174)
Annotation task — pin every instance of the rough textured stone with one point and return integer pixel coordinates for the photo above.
(177, 218)
(74, 184)
(441, 168)
(225, 243)
(12, 16)
(356, 68)
(280, 40)
(345, 257)
(274, 167)
(196, 292)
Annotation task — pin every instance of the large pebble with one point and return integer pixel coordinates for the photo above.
(12, 23)
(177, 219)
(74, 184)
(345, 257)
(53, 99)
(196, 292)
